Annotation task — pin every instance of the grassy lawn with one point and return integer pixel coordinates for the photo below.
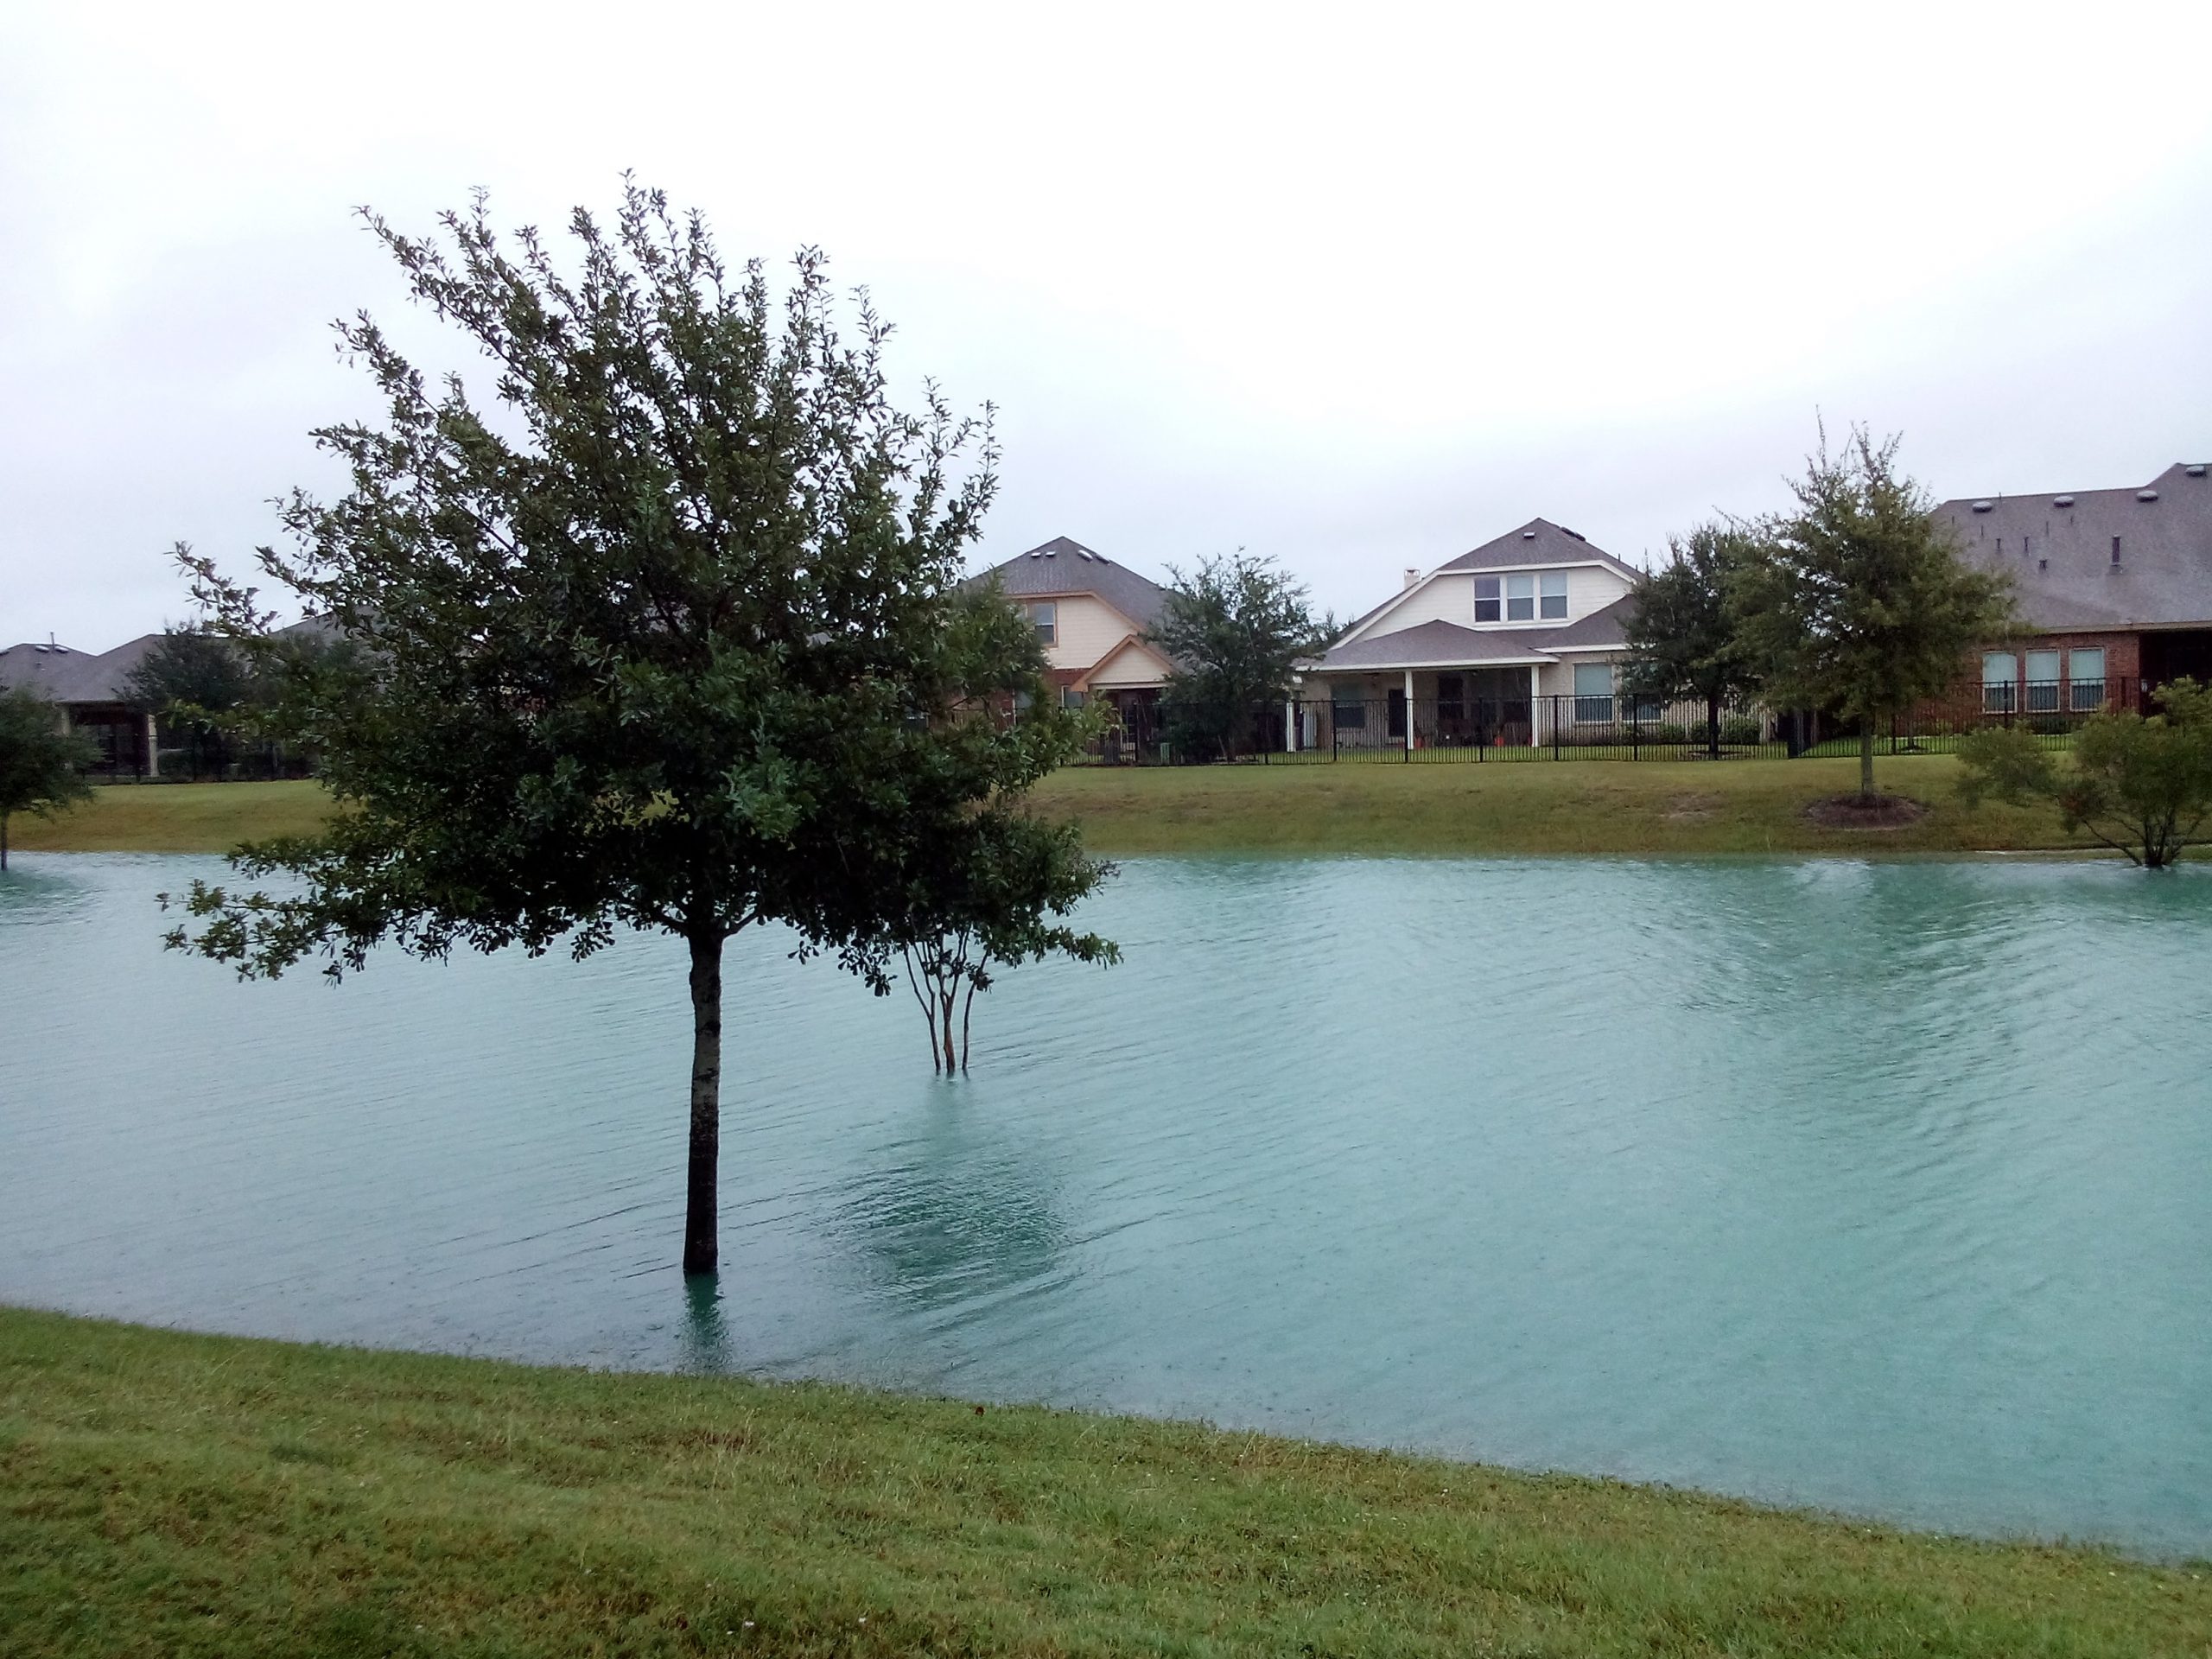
(180, 1495)
(1536, 806)
(173, 819)
(1569, 806)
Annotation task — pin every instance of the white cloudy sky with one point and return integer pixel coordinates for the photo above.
(1358, 286)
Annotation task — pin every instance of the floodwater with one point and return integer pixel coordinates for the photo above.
(1880, 1187)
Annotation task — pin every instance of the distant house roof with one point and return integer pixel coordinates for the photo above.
(2057, 548)
(74, 676)
(1539, 542)
(1066, 566)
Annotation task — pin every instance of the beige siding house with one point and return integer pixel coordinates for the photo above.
(1091, 615)
(1507, 643)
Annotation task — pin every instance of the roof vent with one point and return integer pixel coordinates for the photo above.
(2146, 495)
(1983, 506)
(2043, 564)
(1083, 553)
(1577, 534)
(2062, 500)
(1528, 534)
(1412, 579)
(2194, 469)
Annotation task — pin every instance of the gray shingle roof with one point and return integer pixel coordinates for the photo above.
(2060, 557)
(1066, 566)
(1447, 644)
(74, 675)
(1538, 542)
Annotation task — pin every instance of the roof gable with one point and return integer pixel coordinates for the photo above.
(1064, 565)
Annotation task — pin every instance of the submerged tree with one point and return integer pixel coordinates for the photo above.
(1858, 602)
(41, 762)
(2143, 786)
(1235, 627)
(668, 642)
(1682, 637)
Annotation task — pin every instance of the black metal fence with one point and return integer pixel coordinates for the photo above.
(1568, 727)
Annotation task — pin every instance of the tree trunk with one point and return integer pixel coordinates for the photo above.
(701, 1207)
(1712, 726)
(4, 841)
(1866, 759)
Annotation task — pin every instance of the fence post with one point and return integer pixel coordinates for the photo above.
(1556, 730)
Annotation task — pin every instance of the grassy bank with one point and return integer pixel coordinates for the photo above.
(1534, 807)
(179, 1495)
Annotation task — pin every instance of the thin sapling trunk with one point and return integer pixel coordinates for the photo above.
(1866, 759)
(701, 1195)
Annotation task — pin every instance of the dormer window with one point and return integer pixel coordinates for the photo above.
(1551, 589)
(1486, 600)
(1521, 599)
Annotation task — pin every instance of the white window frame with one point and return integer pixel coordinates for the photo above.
(1495, 599)
(1044, 617)
(2085, 695)
(2001, 697)
(1595, 707)
(1521, 591)
(2043, 695)
(1551, 585)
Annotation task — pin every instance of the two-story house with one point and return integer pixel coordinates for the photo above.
(1499, 646)
(1091, 615)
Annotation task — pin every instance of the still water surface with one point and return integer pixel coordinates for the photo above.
(1879, 1187)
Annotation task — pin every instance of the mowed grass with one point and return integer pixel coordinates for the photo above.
(1530, 807)
(181, 1495)
(1534, 807)
(174, 818)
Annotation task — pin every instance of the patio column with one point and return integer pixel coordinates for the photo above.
(1536, 742)
(1290, 726)
(1409, 711)
(153, 747)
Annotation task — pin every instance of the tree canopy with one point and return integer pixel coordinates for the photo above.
(1233, 627)
(41, 762)
(1858, 602)
(1682, 634)
(195, 678)
(2141, 785)
(670, 639)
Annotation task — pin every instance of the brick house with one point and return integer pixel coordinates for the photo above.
(2115, 587)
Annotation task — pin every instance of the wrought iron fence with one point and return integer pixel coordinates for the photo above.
(1568, 727)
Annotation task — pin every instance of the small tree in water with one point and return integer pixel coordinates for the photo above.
(41, 762)
(669, 643)
(1682, 637)
(2141, 786)
(1858, 601)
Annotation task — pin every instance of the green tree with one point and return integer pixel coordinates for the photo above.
(667, 642)
(1233, 628)
(1858, 602)
(193, 678)
(41, 762)
(1682, 637)
(2141, 785)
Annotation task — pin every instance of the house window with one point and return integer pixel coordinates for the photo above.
(1552, 594)
(1521, 599)
(1072, 697)
(2089, 684)
(1045, 615)
(2042, 681)
(2000, 674)
(1593, 692)
(1486, 599)
(2115, 552)
(1348, 707)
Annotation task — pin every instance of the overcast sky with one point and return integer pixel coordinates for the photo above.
(1358, 287)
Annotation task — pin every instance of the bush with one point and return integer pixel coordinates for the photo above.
(1740, 730)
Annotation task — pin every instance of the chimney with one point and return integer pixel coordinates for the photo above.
(1413, 576)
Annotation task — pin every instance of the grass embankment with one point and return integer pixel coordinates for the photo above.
(180, 1495)
(1534, 807)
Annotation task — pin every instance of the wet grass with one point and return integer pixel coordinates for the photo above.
(169, 1494)
(1653, 807)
